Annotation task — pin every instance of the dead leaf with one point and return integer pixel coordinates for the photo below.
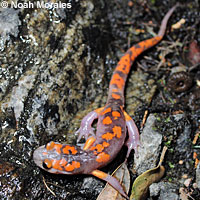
(142, 182)
(123, 176)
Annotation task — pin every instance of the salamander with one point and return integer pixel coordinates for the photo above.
(112, 126)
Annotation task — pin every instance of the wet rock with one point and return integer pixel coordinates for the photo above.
(91, 182)
(19, 94)
(164, 191)
(9, 22)
(151, 142)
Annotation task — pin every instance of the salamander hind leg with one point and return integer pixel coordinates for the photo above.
(111, 180)
(133, 141)
(86, 124)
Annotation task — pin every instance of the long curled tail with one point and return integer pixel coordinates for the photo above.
(117, 83)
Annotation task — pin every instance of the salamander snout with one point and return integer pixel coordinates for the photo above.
(44, 157)
(39, 156)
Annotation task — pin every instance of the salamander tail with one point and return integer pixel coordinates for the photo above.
(117, 83)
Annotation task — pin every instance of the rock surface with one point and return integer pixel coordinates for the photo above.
(148, 154)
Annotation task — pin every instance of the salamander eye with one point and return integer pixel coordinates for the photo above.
(47, 164)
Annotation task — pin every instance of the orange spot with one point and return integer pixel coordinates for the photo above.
(106, 111)
(106, 144)
(50, 146)
(63, 162)
(116, 96)
(73, 150)
(108, 136)
(69, 167)
(92, 148)
(117, 80)
(44, 153)
(76, 164)
(60, 168)
(115, 90)
(58, 147)
(68, 148)
(98, 110)
(56, 164)
(107, 120)
(99, 147)
(99, 174)
(116, 114)
(103, 157)
(127, 117)
(48, 163)
(89, 142)
(117, 130)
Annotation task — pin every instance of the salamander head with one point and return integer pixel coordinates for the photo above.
(50, 158)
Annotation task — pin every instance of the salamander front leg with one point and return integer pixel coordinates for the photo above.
(86, 124)
(133, 141)
(111, 180)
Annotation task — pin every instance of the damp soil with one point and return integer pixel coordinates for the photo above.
(57, 69)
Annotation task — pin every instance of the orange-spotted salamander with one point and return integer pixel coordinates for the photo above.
(113, 123)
